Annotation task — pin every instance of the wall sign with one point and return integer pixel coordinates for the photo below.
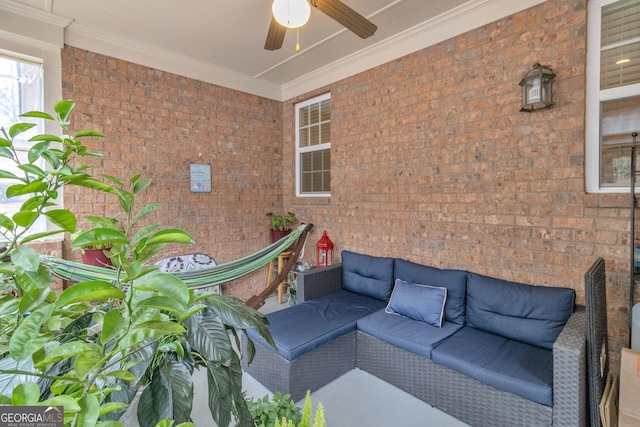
(200, 175)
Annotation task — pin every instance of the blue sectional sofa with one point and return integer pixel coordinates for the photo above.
(487, 351)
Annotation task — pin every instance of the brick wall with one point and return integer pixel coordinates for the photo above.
(431, 159)
(433, 162)
(158, 123)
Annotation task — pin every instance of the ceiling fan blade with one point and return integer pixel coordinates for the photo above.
(346, 16)
(275, 36)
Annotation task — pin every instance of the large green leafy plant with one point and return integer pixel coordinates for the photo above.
(93, 346)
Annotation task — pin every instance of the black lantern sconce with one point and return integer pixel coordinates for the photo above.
(537, 88)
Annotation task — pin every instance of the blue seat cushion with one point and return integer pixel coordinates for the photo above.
(367, 275)
(532, 314)
(304, 327)
(454, 280)
(411, 335)
(509, 365)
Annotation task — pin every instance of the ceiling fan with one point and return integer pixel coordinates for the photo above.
(335, 9)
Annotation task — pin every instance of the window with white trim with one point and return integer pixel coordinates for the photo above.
(613, 92)
(21, 90)
(313, 147)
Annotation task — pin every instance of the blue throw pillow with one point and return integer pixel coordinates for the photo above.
(423, 303)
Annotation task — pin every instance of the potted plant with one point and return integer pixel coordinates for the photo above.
(281, 225)
(97, 254)
(94, 345)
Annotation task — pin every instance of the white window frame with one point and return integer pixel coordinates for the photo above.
(594, 97)
(301, 150)
(32, 35)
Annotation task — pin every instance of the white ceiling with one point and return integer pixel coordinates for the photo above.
(222, 41)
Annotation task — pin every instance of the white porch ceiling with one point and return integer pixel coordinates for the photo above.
(221, 41)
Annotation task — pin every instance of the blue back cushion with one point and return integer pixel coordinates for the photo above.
(531, 314)
(454, 280)
(367, 275)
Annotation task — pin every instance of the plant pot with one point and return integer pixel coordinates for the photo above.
(279, 234)
(96, 257)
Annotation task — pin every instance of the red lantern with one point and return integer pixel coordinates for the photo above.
(325, 251)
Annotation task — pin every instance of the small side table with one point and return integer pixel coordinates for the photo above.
(282, 259)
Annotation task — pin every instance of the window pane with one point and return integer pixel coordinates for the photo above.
(304, 137)
(304, 116)
(620, 118)
(620, 44)
(325, 133)
(315, 171)
(325, 108)
(21, 90)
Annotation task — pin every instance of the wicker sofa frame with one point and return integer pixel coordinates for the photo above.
(466, 399)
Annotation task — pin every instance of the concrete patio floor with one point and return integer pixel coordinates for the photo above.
(355, 399)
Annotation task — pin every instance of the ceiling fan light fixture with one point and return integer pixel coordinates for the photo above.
(291, 13)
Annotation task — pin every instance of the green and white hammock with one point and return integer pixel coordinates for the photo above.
(196, 279)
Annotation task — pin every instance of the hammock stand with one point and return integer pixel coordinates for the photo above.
(202, 277)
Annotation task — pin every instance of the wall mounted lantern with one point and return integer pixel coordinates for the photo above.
(537, 88)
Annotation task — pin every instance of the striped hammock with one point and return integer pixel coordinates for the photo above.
(196, 279)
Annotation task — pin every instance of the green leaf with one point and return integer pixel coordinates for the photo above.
(66, 351)
(63, 219)
(112, 324)
(26, 258)
(37, 115)
(160, 327)
(89, 410)
(26, 339)
(85, 363)
(191, 310)
(146, 210)
(33, 169)
(33, 203)
(25, 218)
(163, 303)
(170, 235)
(36, 186)
(18, 128)
(144, 232)
(92, 183)
(123, 375)
(141, 185)
(8, 175)
(91, 291)
(167, 284)
(32, 299)
(42, 235)
(45, 137)
(6, 222)
(99, 237)
(220, 393)
(88, 132)
(7, 153)
(40, 278)
(70, 404)
(210, 337)
(36, 151)
(101, 221)
(113, 179)
(172, 383)
(64, 109)
(26, 394)
(5, 142)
